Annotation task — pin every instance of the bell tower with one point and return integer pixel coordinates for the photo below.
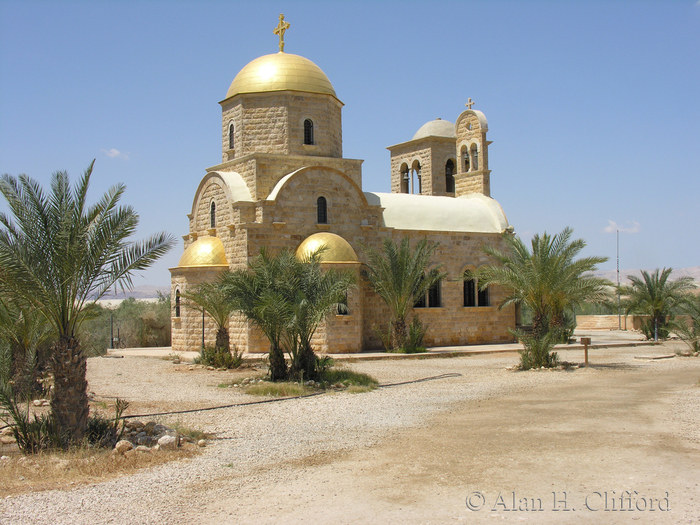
(473, 174)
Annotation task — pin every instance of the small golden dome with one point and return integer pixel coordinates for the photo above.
(207, 251)
(338, 250)
(281, 72)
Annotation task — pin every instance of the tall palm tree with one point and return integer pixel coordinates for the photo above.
(59, 254)
(211, 298)
(400, 276)
(656, 296)
(548, 280)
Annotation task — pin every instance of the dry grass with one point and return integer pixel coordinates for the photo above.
(63, 470)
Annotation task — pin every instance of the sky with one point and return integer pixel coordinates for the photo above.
(593, 107)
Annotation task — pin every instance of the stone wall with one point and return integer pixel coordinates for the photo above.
(274, 123)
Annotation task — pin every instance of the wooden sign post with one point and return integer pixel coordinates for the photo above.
(585, 341)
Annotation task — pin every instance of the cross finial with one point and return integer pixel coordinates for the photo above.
(280, 29)
(469, 103)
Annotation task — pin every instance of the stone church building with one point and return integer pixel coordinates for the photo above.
(283, 183)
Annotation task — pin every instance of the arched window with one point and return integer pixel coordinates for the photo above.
(449, 176)
(230, 136)
(177, 303)
(308, 131)
(465, 159)
(212, 215)
(321, 210)
(404, 178)
(469, 292)
(484, 299)
(473, 296)
(475, 157)
(417, 186)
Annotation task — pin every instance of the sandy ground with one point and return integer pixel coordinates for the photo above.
(615, 443)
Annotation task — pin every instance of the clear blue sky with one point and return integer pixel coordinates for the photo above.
(593, 107)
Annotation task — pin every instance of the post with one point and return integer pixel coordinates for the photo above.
(111, 331)
(585, 341)
(619, 321)
(202, 329)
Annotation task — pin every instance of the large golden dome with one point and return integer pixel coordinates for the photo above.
(206, 251)
(337, 249)
(281, 72)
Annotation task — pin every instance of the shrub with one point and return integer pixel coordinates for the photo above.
(537, 352)
(219, 358)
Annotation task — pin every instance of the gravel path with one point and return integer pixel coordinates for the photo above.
(256, 443)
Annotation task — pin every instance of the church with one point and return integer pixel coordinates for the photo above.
(283, 183)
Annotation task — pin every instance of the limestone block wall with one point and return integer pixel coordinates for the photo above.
(187, 329)
(408, 153)
(274, 123)
(261, 172)
(452, 323)
(473, 182)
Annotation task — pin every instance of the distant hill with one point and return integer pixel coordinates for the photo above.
(611, 275)
(145, 291)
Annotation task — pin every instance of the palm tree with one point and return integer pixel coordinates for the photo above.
(654, 295)
(549, 280)
(58, 254)
(211, 298)
(256, 292)
(688, 329)
(313, 294)
(399, 275)
(287, 299)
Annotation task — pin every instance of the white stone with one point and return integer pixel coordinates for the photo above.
(167, 443)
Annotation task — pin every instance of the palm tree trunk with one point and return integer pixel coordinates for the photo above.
(69, 402)
(222, 340)
(399, 334)
(278, 367)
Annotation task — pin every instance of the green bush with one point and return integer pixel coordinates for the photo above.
(537, 352)
(218, 358)
(136, 324)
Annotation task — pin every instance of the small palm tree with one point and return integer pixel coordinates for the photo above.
(313, 294)
(287, 299)
(548, 280)
(689, 329)
(400, 276)
(212, 299)
(58, 255)
(656, 296)
(256, 292)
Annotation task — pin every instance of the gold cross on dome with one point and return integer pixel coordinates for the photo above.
(470, 103)
(280, 29)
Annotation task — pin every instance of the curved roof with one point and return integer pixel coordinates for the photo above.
(281, 72)
(470, 213)
(337, 249)
(206, 251)
(436, 128)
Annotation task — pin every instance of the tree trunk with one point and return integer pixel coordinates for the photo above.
(69, 402)
(399, 334)
(278, 367)
(306, 365)
(222, 340)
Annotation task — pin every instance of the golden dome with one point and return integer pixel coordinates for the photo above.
(207, 251)
(281, 72)
(338, 250)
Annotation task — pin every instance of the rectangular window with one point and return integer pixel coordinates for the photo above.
(469, 293)
(434, 296)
